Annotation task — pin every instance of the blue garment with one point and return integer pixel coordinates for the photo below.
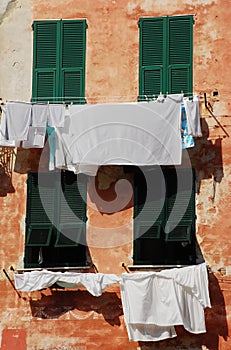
(50, 133)
(187, 140)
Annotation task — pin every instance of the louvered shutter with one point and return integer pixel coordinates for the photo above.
(165, 55)
(180, 205)
(180, 54)
(40, 209)
(73, 60)
(149, 206)
(152, 57)
(72, 211)
(45, 72)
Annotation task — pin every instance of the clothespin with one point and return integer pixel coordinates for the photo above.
(160, 98)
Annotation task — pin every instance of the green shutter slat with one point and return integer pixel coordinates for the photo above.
(152, 57)
(180, 54)
(152, 81)
(180, 40)
(73, 37)
(180, 205)
(41, 189)
(179, 80)
(45, 85)
(152, 42)
(72, 204)
(45, 44)
(72, 86)
(46, 58)
(73, 61)
(148, 210)
(72, 214)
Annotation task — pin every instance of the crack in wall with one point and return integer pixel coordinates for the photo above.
(6, 7)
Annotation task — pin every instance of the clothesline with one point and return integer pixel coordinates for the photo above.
(63, 98)
(172, 120)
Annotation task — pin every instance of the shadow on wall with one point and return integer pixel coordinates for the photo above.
(79, 305)
(111, 190)
(6, 168)
(206, 158)
(216, 325)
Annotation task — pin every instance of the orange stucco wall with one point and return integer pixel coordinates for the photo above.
(53, 319)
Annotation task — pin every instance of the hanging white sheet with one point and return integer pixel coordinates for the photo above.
(143, 133)
(154, 302)
(95, 283)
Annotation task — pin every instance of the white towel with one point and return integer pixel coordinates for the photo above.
(39, 115)
(192, 111)
(56, 115)
(3, 132)
(18, 119)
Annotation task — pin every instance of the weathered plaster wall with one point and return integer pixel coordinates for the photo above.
(15, 49)
(76, 320)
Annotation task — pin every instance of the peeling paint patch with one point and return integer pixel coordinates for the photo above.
(5, 8)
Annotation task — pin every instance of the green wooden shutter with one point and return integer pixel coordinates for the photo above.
(180, 205)
(72, 212)
(180, 44)
(73, 60)
(148, 215)
(152, 56)
(46, 60)
(39, 220)
(165, 55)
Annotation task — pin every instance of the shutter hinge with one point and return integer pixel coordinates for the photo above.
(32, 26)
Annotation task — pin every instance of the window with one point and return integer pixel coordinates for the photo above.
(165, 55)
(59, 61)
(164, 217)
(56, 220)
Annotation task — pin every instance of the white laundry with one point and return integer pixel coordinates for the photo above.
(39, 115)
(192, 111)
(18, 119)
(36, 138)
(143, 133)
(86, 169)
(56, 115)
(3, 132)
(164, 299)
(95, 283)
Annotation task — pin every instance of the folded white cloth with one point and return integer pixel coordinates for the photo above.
(192, 111)
(155, 302)
(95, 283)
(18, 119)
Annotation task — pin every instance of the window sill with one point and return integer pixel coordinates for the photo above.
(152, 267)
(58, 269)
